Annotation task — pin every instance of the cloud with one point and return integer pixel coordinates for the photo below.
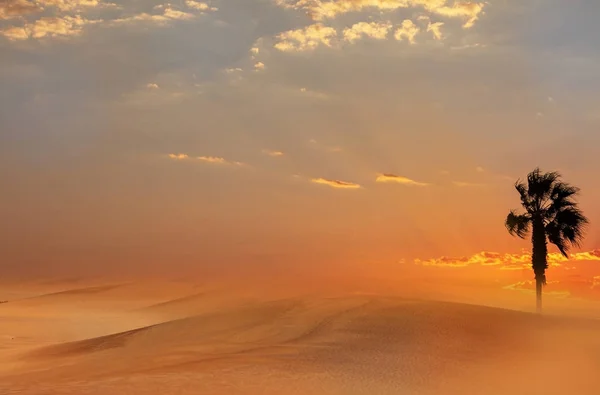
(232, 70)
(581, 286)
(152, 86)
(481, 258)
(15, 8)
(435, 29)
(259, 66)
(399, 180)
(466, 10)
(315, 35)
(63, 18)
(320, 10)
(67, 26)
(175, 14)
(215, 160)
(200, 6)
(573, 277)
(70, 5)
(306, 39)
(336, 183)
(168, 15)
(143, 17)
(408, 30)
(479, 169)
(593, 255)
(218, 161)
(507, 261)
(71, 25)
(376, 30)
(179, 156)
(273, 153)
(528, 286)
(212, 159)
(467, 46)
(15, 33)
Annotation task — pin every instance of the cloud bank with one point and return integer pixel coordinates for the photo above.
(507, 261)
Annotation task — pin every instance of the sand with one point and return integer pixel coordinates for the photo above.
(179, 338)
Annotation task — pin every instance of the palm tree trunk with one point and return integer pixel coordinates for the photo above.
(538, 295)
(539, 261)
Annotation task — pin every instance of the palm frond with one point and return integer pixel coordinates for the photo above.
(517, 224)
(563, 191)
(555, 237)
(521, 187)
(561, 198)
(573, 223)
(540, 185)
(567, 228)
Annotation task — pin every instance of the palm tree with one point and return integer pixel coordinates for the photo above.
(552, 214)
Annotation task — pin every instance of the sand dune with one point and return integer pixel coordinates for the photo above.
(230, 344)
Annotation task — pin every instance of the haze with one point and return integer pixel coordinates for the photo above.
(304, 165)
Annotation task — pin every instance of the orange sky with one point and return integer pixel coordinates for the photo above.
(290, 136)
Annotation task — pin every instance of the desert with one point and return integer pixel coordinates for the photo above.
(190, 338)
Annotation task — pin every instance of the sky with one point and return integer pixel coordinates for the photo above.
(379, 136)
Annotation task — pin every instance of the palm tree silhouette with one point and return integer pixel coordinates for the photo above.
(552, 214)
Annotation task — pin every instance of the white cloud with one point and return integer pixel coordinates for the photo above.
(435, 29)
(169, 14)
(71, 5)
(175, 14)
(306, 39)
(320, 10)
(232, 70)
(407, 31)
(212, 159)
(49, 27)
(376, 30)
(199, 5)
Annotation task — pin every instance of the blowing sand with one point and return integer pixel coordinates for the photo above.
(133, 338)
